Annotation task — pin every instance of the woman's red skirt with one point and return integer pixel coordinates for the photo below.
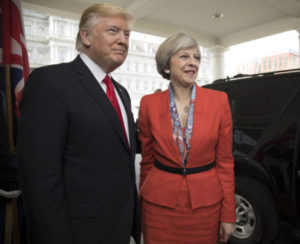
(182, 225)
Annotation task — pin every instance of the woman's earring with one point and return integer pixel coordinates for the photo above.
(167, 71)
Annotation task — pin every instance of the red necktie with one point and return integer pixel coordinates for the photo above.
(110, 92)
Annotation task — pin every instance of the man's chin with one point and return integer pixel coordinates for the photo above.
(119, 61)
(115, 64)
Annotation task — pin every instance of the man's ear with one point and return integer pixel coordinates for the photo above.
(85, 37)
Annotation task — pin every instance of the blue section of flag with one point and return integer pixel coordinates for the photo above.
(16, 74)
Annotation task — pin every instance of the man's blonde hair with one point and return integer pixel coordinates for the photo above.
(92, 15)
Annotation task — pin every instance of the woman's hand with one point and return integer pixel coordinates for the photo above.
(226, 230)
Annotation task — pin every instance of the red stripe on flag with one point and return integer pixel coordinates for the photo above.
(6, 43)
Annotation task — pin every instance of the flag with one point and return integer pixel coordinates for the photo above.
(13, 50)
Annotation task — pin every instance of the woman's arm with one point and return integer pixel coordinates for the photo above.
(146, 140)
(225, 163)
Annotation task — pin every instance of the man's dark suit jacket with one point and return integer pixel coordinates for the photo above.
(77, 171)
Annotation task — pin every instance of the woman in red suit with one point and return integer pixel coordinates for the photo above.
(187, 177)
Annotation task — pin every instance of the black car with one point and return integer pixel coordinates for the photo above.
(266, 122)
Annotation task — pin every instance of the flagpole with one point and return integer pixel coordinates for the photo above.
(9, 109)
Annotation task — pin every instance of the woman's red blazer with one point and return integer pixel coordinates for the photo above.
(211, 140)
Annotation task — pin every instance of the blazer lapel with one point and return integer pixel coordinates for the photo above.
(199, 120)
(89, 82)
(166, 128)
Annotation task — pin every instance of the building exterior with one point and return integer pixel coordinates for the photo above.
(282, 60)
(288, 59)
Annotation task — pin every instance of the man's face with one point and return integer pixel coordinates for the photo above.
(107, 43)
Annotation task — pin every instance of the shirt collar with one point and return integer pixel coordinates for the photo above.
(96, 70)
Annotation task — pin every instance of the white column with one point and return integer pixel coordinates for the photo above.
(217, 61)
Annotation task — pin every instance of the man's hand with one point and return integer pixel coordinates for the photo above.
(226, 230)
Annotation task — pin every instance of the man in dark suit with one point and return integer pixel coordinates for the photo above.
(76, 142)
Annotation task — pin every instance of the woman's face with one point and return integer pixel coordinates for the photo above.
(184, 66)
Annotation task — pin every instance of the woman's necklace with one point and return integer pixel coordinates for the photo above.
(184, 105)
(186, 109)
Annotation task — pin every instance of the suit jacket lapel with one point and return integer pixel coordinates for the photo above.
(127, 106)
(199, 120)
(89, 82)
(166, 128)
